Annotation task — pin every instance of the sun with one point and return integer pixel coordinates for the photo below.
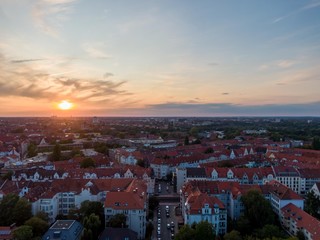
(65, 105)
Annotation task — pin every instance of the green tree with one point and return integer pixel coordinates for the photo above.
(209, 150)
(118, 221)
(257, 209)
(8, 175)
(87, 163)
(194, 131)
(149, 230)
(233, 235)
(269, 231)
(56, 154)
(186, 140)
(312, 204)
(89, 207)
(32, 150)
(21, 211)
(153, 203)
(39, 226)
(87, 234)
(92, 223)
(185, 233)
(42, 215)
(204, 230)
(140, 163)
(316, 143)
(7, 205)
(300, 235)
(243, 226)
(23, 233)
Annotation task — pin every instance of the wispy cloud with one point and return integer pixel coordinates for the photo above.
(300, 77)
(229, 109)
(96, 50)
(28, 60)
(285, 63)
(311, 5)
(282, 64)
(108, 75)
(48, 15)
(23, 80)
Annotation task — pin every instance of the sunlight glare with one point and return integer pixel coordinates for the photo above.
(65, 105)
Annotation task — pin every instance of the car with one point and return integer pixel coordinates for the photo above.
(167, 208)
(168, 226)
(159, 233)
(172, 224)
(172, 235)
(159, 220)
(167, 214)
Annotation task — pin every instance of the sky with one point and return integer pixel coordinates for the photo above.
(160, 57)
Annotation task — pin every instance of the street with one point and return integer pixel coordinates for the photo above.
(165, 223)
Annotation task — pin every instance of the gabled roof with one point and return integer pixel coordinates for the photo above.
(197, 201)
(282, 191)
(302, 219)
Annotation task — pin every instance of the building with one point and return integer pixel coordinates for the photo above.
(316, 189)
(131, 202)
(198, 206)
(64, 229)
(6, 233)
(294, 219)
(281, 195)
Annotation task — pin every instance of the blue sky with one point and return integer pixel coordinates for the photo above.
(160, 58)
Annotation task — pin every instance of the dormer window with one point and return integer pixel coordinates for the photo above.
(230, 174)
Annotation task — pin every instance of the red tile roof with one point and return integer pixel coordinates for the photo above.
(302, 219)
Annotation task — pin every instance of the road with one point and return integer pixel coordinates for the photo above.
(160, 221)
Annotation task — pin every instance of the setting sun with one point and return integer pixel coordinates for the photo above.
(65, 105)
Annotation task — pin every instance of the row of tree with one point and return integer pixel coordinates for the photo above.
(257, 223)
(15, 210)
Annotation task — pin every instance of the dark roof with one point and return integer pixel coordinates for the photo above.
(118, 234)
(62, 224)
(64, 230)
(196, 172)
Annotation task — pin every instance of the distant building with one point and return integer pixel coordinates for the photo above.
(64, 229)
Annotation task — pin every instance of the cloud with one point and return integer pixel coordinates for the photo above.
(28, 60)
(22, 80)
(107, 75)
(225, 93)
(302, 9)
(229, 109)
(311, 5)
(285, 63)
(300, 77)
(95, 51)
(48, 15)
(263, 67)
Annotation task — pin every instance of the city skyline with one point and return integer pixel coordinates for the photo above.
(159, 58)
